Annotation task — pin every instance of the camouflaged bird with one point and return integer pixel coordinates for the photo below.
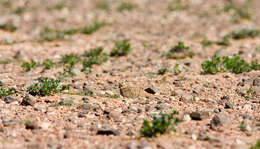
(132, 92)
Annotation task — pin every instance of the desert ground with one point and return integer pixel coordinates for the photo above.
(130, 74)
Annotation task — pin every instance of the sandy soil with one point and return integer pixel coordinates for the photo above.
(152, 28)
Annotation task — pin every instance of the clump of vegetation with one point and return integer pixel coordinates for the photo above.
(121, 48)
(245, 33)
(224, 41)
(250, 93)
(125, 6)
(177, 69)
(228, 64)
(46, 86)
(206, 43)
(162, 70)
(103, 5)
(6, 92)
(60, 5)
(19, 10)
(257, 146)
(28, 66)
(177, 6)
(50, 34)
(180, 51)
(9, 26)
(94, 56)
(239, 12)
(162, 124)
(48, 64)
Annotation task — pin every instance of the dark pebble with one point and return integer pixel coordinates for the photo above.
(228, 105)
(1, 83)
(85, 99)
(225, 98)
(151, 90)
(108, 132)
(244, 116)
(9, 99)
(256, 82)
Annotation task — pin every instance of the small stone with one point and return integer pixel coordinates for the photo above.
(85, 99)
(220, 119)
(6, 121)
(115, 115)
(30, 125)
(186, 118)
(228, 105)
(151, 90)
(225, 98)
(178, 92)
(203, 136)
(66, 102)
(199, 115)
(108, 132)
(256, 82)
(244, 116)
(9, 99)
(133, 108)
(28, 100)
(1, 83)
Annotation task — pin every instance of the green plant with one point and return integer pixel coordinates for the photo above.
(46, 87)
(92, 28)
(6, 92)
(9, 26)
(48, 64)
(239, 12)
(121, 48)
(28, 66)
(232, 64)
(256, 146)
(206, 43)
(50, 34)
(245, 33)
(69, 60)
(224, 41)
(95, 56)
(19, 10)
(180, 51)
(60, 5)
(125, 6)
(102, 4)
(162, 70)
(177, 5)
(177, 69)
(162, 124)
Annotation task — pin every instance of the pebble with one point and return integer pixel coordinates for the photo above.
(199, 115)
(186, 118)
(225, 98)
(228, 105)
(256, 82)
(178, 92)
(9, 99)
(151, 90)
(28, 100)
(85, 99)
(220, 119)
(1, 83)
(108, 132)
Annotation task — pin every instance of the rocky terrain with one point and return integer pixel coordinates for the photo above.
(139, 74)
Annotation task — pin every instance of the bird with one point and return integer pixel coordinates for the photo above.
(132, 92)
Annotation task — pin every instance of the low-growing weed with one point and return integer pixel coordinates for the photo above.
(206, 43)
(256, 146)
(162, 70)
(239, 12)
(121, 48)
(232, 64)
(177, 6)
(159, 125)
(125, 6)
(46, 87)
(6, 92)
(28, 66)
(9, 26)
(177, 69)
(245, 33)
(48, 64)
(180, 51)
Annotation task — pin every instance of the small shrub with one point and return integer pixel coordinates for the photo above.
(228, 64)
(28, 66)
(162, 70)
(125, 6)
(206, 43)
(162, 124)
(240, 12)
(257, 146)
(177, 6)
(9, 26)
(48, 34)
(46, 87)
(92, 28)
(177, 69)
(121, 48)
(224, 41)
(70, 60)
(6, 92)
(245, 33)
(19, 10)
(103, 5)
(180, 51)
(48, 64)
